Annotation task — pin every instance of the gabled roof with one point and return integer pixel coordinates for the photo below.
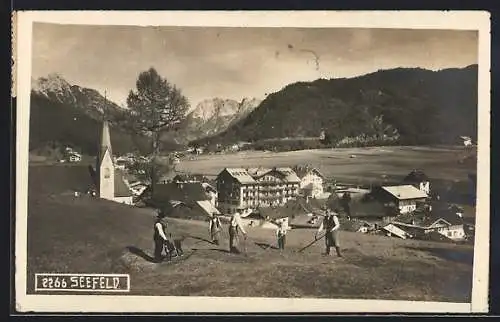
(425, 219)
(302, 171)
(416, 176)
(185, 192)
(290, 175)
(241, 175)
(395, 231)
(208, 207)
(257, 172)
(121, 188)
(290, 210)
(248, 176)
(404, 192)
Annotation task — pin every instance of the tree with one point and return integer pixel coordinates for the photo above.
(155, 107)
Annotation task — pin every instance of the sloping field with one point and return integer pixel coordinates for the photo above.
(85, 235)
(372, 163)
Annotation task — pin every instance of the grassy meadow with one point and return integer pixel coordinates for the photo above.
(86, 235)
(363, 165)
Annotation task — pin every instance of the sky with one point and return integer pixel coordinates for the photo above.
(236, 63)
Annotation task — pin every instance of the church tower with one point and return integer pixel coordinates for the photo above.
(105, 167)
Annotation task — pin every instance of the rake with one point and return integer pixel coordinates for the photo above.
(310, 244)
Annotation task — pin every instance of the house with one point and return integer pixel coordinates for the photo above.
(256, 219)
(419, 180)
(267, 217)
(438, 218)
(451, 230)
(239, 188)
(276, 186)
(357, 226)
(74, 157)
(168, 196)
(189, 178)
(311, 181)
(236, 190)
(305, 212)
(371, 211)
(354, 192)
(467, 141)
(71, 155)
(121, 163)
(166, 193)
(208, 207)
(392, 230)
(211, 192)
(137, 187)
(404, 197)
(109, 180)
(194, 211)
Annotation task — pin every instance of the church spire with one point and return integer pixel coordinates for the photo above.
(105, 139)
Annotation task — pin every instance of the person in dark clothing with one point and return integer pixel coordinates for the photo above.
(331, 226)
(160, 237)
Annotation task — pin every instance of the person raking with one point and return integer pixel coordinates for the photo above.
(162, 242)
(331, 226)
(214, 228)
(234, 227)
(160, 236)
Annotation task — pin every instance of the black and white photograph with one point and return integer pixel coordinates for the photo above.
(241, 162)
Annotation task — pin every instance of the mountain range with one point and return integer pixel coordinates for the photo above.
(62, 114)
(71, 115)
(420, 106)
(213, 116)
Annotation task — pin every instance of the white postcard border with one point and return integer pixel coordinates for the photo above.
(463, 20)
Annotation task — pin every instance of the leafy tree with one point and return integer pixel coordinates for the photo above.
(155, 106)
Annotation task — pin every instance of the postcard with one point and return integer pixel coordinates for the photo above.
(228, 162)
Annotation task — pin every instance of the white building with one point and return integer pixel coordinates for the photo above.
(419, 180)
(466, 140)
(311, 181)
(74, 157)
(212, 193)
(453, 232)
(109, 180)
(404, 197)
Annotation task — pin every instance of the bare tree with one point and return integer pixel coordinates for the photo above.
(155, 106)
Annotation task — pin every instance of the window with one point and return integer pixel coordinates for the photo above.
(107, 173)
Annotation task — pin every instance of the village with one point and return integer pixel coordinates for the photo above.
(252, 163)
(295, 195)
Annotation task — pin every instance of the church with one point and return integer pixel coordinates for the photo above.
(109, 180)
